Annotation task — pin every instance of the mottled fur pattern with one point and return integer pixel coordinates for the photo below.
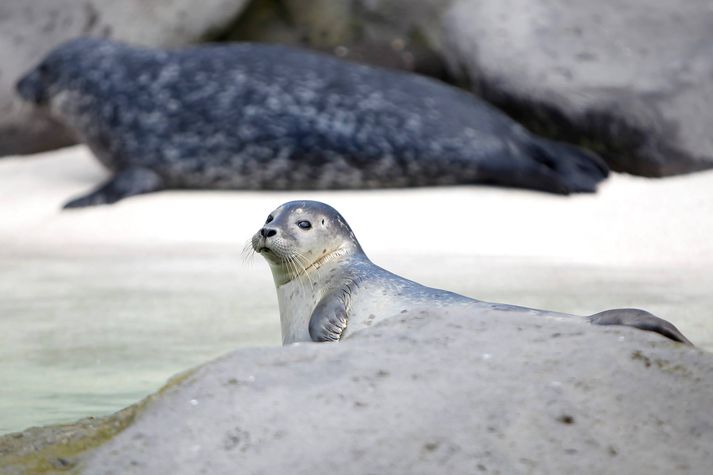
(264, 117)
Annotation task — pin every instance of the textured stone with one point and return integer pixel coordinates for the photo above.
(434, 394)
(28, 30)
(403, 34)
(631, 79)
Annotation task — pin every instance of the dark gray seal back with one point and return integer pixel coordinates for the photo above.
(265, 117)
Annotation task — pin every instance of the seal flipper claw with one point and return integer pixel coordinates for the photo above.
(129, 182)
(641, 319)
(329, 320)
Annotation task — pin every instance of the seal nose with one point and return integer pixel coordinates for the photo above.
(266, 233)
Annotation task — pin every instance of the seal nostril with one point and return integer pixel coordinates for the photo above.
(266, 233)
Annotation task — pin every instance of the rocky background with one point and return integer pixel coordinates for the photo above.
(631, 79)
(29, 30)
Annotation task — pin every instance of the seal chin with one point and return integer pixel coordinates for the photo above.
(270, 254)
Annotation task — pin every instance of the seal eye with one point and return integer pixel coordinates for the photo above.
(304, 224)
(269, 219)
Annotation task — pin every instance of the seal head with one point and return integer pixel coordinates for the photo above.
(300, 236)
(62, 70)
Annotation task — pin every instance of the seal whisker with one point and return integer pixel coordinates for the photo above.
(248, 253)
(292, 270)
(305, 264)
(304, 275)
(298, 275)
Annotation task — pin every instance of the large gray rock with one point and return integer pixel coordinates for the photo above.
(29, 29)
(403, 34)
(434, 394)
(632, 79)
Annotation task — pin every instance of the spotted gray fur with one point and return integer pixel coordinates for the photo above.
(327, 288)
(266, 117)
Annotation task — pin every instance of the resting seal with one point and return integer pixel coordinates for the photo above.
(256, 116)
(327, 288)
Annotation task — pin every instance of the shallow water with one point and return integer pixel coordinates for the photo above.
(92, 333)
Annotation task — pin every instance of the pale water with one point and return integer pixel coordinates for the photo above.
(92, 333)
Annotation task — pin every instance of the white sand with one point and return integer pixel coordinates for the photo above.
(630, 222)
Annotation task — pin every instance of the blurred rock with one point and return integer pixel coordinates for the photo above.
(403, 34)
(29, 29)
(631, 79)
(430, 393)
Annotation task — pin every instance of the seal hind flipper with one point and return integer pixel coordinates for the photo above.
(329, 320)
(548, 166)
(129, 182)
(577, 169)
(641, 319)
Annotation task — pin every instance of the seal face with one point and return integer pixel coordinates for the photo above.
(256, 116)
(327, 287)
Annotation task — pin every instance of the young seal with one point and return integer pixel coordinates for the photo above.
(327, 288)
(255, 116)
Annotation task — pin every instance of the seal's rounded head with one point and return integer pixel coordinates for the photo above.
(62, 67)
(304, 233)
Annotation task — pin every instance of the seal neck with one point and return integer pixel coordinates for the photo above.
(284, 273)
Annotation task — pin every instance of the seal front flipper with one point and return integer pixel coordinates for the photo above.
(128, 182)
(641, 319)
(329, 320)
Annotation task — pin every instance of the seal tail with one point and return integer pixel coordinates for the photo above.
(641, 319)
(578, 170)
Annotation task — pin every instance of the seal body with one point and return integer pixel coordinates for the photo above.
(327, 288)
(258, 117)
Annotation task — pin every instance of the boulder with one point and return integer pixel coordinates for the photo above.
(429, 393)
(28, 30)
(631, 79)
(403, 34)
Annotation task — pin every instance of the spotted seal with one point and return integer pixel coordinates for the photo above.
(327, 288)
(256, 117)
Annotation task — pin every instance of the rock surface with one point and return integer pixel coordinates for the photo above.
(632, 80)
(434, 394)
(403, 34)
(28, 30)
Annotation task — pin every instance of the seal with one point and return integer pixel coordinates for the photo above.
(266, 117)
(327, 288)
